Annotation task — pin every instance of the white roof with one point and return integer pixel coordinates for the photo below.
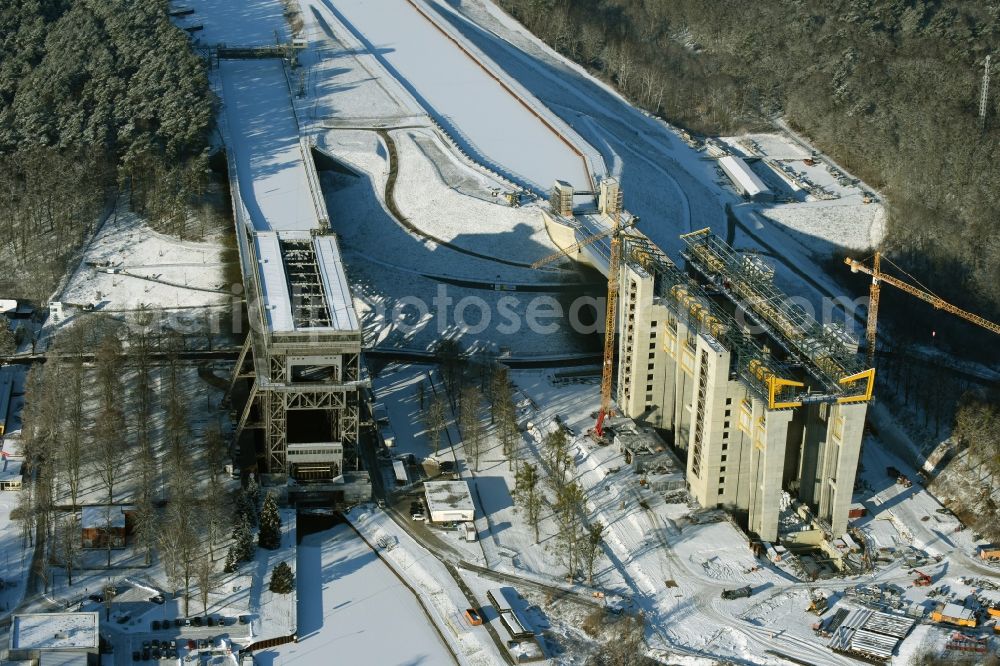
(98, 516)
(335, 286)
(956, 611)
(273, 282)
(448, 496)
(742, 175)
(7, 305)
(54, 631)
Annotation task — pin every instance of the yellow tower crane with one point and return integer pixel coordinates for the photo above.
(878, 277)
(608, 364)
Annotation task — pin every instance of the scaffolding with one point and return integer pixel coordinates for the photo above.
(827, 352)
(764, 374)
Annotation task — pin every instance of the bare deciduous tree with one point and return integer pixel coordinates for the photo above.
(528, 495)
(471, 426)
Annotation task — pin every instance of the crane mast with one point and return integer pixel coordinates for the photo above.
(610, 318)
(879, 277)
(610, 315)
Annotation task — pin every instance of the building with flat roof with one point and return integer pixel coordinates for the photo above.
(744, 179)
(758, 396)
(449, 501)
(63, 636)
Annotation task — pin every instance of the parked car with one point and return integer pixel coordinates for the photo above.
(155, 625)
(738, 593)
(245, 619)
(136, 655)
(156, 643)
(157, 599)
(98, 598)
(156, 653)
(145, 654)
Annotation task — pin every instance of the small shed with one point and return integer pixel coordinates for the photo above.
(101, 524)
(954, 614)
(989, 551)
(449, 501)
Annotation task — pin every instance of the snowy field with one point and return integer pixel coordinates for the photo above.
(128, 264)
(352, 608)
(16, 556)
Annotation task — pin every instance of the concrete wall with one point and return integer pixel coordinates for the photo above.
(662, 361)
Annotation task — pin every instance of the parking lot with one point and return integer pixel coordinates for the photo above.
(142, 626)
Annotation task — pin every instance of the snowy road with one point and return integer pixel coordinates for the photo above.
(473, 104)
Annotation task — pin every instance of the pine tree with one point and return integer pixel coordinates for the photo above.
(231, 561)
(243, 536)
(245, 508)
(270, 524)
(253, 493)
(282, 579)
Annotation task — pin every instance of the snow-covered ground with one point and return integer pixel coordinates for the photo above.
(353, 609)
(128, 264)
(362, 72)
(17, 556)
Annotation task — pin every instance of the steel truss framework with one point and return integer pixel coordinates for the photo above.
(764, 374)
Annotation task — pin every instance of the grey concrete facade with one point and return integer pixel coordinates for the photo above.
(741, 454)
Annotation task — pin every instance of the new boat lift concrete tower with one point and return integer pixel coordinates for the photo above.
(760, 396)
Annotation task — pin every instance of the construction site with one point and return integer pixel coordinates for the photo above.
(746, 493)
(754, 393)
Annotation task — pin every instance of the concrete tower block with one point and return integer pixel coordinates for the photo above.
(769, 442)
(844, 449)
(609, 200)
